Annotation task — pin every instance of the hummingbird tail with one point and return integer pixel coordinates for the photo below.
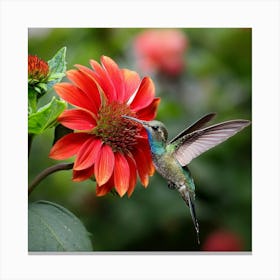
(189, 200)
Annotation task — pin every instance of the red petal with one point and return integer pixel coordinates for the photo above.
(115, 75)
(82, 175)
(88, 72)
(68, 145)
(151, 168)
(142, 134)
(132, 177)
(87, 154)
(144, 144)
(104, 189)
(131, 83)
(104, 81)
(121, 174)
(142, 171)
(77, 119)
(87, 85)
(104, 165)
(74, 96)
(144, 96)
(149, 113)
(144, 164)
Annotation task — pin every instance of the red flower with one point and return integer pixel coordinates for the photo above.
(161, 50)
(223, 240)
(38, 69)
(107, 146)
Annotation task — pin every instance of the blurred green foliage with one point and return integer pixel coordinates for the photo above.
(217, 78)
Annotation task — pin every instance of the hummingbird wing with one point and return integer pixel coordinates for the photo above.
(195, 126)
(191, 145)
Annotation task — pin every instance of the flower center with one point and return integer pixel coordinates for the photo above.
(116, 131)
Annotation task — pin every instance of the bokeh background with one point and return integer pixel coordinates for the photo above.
(210, 71)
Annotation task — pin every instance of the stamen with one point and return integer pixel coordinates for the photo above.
(117, 132)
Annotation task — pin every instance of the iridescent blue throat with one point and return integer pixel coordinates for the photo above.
(156, 147)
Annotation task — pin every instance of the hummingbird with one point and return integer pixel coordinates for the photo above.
(171, 158)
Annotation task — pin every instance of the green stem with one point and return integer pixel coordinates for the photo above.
(47, 172)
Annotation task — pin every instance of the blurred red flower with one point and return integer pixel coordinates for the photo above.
(223, 240)
(161, 50)
(107, 147)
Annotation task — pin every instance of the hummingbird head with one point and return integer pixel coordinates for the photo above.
(156, 130)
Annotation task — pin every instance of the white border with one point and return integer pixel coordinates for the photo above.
(262, 16)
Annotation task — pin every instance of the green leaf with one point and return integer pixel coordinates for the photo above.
(51, 227)
(57, 67)
(32, 100)
(46, 116)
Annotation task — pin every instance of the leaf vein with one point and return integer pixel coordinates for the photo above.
(49, 228)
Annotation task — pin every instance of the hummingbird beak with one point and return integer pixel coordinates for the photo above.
(136, 120)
